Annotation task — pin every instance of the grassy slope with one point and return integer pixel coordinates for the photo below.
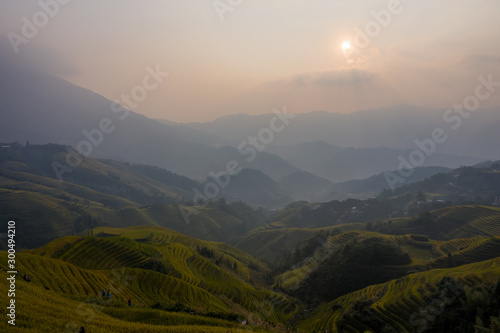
(41, 310)
(56, 189)
(420, 254)
(52, 217)
(482, 249)
(465, 221)
(76, 268)
(271, 244)
(108, 182)
(425, 255)
(397, 300)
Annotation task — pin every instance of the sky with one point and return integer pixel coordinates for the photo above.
(249, 56)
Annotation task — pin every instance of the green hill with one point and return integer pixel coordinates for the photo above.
(403, 305)
(255, 188)
(303, 185)
(47, 218)
(448, 223)
(91, 179)
(479, 251)
(303, 214)
(106, 193)
(165, 273)
(348, 261)
(358, 258)
(465, 185)
(372, 186)
(273, 244)
(63, 297)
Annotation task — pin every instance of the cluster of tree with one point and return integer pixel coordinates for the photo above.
(181, 307)
(451, 308)
(465, 185)
(156, 265)
(204, 251)
(303, 214)
(353, 266)
(38, 159)
(166, 177)
(85, 221)
(251, 217)
(220, 261)
(423, 223)
(474, 309)
(303, 251)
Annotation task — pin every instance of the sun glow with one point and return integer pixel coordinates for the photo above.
(346, 45)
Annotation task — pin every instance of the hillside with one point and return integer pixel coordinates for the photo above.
(465, 185)
(303, 214)
(43, 168)
(394, 127)
(372, 186)
(312, 280)
(479, 250)
(303, 185)
(164, 273)
(448, 223)
(406, 304)
(256, 189)
(48, 218)
(343, 261)
(272, 245)
(108, 193)
(343, 164)
(129, 136)
(230, 166)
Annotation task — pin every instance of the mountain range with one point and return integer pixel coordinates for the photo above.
(314, 149)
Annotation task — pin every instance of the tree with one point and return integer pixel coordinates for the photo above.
(449, 260)
(420, 196)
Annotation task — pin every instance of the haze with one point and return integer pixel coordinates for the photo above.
(266, 54)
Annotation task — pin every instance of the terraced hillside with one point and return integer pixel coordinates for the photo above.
(401, 305)
(454, 222)
(420, 251)
(166, 269)
(479, 251)
(64, 298)
(167, 274)
(272, 244)
(465, 185)
(303, 214)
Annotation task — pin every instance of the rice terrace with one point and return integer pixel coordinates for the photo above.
(234, 166)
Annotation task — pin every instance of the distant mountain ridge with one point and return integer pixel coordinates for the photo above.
(342, 164)
(394, 127)
(40, 108)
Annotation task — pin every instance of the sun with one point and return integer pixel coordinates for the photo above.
(346, 45)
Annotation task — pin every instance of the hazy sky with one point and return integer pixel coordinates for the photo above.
(267, 53)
